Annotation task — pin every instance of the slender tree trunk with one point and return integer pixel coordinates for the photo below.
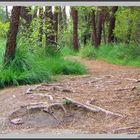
(129, 32)
(64, 15)
(25, 13)
(7, 14)
(94, 34)
(50, 38)
(99, 28)
(56, 14)
(12, 34)
(74, 13)
(41, 17)
(112, 24)
(104, 33)
(35, 12)
(61, 25)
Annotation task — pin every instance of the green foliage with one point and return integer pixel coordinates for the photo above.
(65, 51)
(120, 54)
(33, 65)
(88, 51)
(66, 102)
(58, 65)
(4, 27)
(3, 17)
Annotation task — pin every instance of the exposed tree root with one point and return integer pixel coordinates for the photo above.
(56, 105)
(125, 129)
(94, 110)
(135, 80)
(127, 88)
(104, 110)
(43, 95)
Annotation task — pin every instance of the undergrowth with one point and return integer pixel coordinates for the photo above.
(120, 54)
(34, 65)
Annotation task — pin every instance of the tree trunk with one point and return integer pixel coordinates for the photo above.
(64, 15)
(25, 13)
(7, 14)
(56, 11)
(94, 34)
(12, 34)
(112, 24)
(41, 17)
(61, 25)
(50, 38)
(35, 12)
(74, 13)
(99, 28)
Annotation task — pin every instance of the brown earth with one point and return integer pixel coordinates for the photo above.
(111, 87)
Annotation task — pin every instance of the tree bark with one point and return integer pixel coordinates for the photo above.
(25, 13)
(12, 34)
(74, 13)
(94, 34)
(41, 17)
(56, 15)
(61, 25)
(99, 28)
(7, 14)
(64, 15)
(112, 24)
(50, 38)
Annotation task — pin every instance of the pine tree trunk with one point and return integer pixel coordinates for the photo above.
(7, 14)
(12, 34)
(112, 24)
(56, 11)
(99, 28)
(50, 37)
(94, 34)
(61, 25)
(41, 17)
(64, 15)
(74, 13)
(25, 13)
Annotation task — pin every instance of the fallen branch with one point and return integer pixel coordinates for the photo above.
(104, 110)
(94, 110)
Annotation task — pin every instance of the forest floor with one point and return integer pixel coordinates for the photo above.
(106, 88)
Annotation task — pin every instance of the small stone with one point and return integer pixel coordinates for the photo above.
(17, 121)
(46, 110)
(14, 96)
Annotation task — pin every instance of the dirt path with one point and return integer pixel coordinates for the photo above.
(111, 87)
